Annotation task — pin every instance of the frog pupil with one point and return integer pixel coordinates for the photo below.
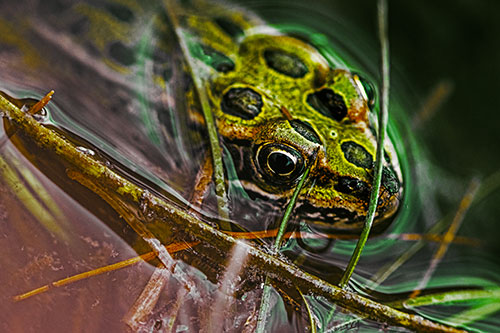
(281, 163)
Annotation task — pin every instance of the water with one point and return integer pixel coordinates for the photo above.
(53, 228)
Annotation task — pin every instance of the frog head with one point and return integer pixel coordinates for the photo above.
(282, 109)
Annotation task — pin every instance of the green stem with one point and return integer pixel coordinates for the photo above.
(220, 189)
(382, 120)
(266, 293)
(492, 294)
(289, 210)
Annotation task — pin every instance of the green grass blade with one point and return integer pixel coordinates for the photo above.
(266, 293)
(451, 297)
(474, 314)
(312, 321)
(382, 120)
(386, 270)
(215, 147)
(32, 204)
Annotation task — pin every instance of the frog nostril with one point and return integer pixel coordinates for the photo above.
(242, 102)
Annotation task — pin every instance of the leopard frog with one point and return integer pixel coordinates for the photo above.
(280, 107)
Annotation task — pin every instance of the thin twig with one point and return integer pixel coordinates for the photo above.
(113, 267)
(433, 102)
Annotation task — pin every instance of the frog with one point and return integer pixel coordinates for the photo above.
(281, 108)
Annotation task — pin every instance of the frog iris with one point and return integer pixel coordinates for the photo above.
(279, 164)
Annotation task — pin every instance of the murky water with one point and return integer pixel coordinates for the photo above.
(53, 227)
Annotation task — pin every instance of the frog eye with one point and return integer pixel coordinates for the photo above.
(279, 163)
(285, 63)
(242, 102)
(328, 103)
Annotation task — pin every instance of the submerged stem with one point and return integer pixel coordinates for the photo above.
(382, 120)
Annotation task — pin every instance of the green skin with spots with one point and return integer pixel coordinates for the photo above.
(264, 63)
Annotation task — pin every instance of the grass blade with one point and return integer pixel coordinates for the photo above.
(382, 120)
(266, 293)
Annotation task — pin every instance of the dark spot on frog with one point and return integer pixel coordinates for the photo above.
(390, 181)
(285, 63)
(121, 12)
(353, 186)
(242, 102)
(308, 211)
(305, 130)
(215, 59)
(122, 54)
(229, 27)
(55, 6)
(167, 73)
(357, 154)
(79, 26)
(328, 103)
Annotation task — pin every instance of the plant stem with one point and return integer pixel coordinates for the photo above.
(266, 293)
(382, 120)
